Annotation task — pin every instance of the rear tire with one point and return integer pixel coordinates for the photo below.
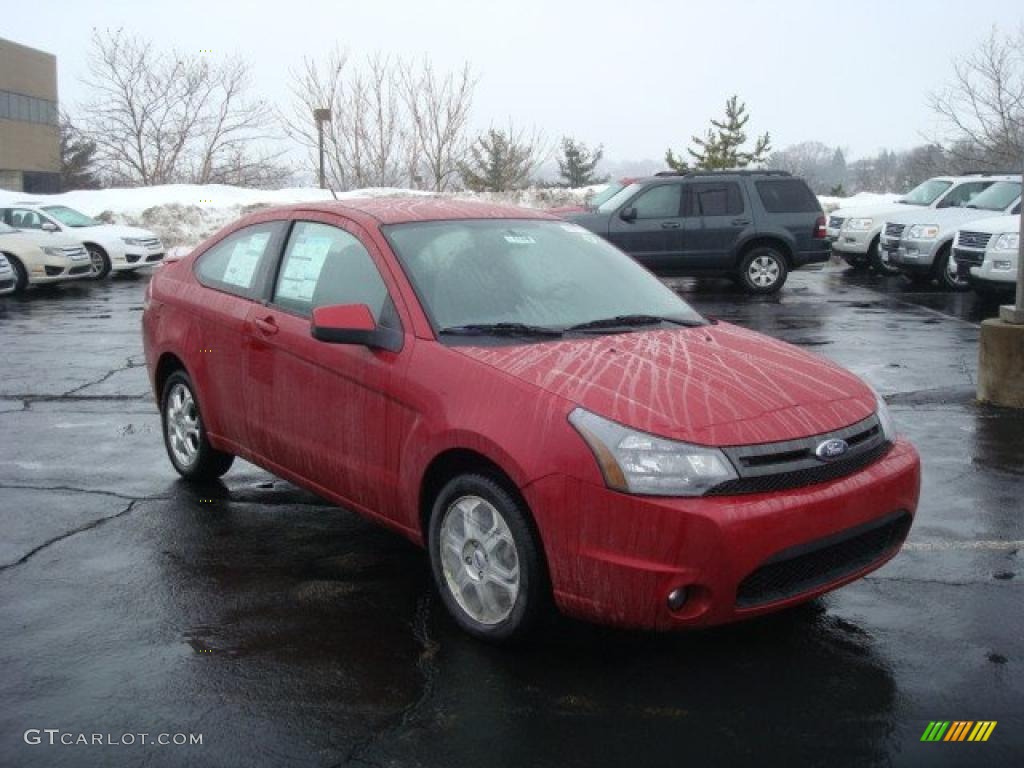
(100, 262)
(486, 559)
(20, 275)
(877, 263)
(763, 270)
(185, 439)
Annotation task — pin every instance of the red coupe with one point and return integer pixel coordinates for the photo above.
(542, 414)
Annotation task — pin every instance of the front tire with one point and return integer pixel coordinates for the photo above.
(880, 265)
(20, 275)
(100, 262)
(185, 438)
(945, 278)
(763, 270)
(486, 559)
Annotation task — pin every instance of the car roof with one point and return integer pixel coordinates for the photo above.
(400, 210)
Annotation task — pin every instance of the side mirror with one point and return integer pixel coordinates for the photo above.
(49, 226)
(628, 214)
(353, 324)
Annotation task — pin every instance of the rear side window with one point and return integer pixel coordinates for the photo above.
(718, 199)
(787, 196)
(235, 264)
(325, 265)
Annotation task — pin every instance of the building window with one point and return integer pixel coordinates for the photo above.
(27, 109)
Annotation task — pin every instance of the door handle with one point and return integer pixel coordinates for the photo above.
(266, 325)
(670, 225)
(740, 222)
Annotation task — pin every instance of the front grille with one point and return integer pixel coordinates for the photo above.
(968, 258)
(977, 240)
(895, 231)
(5, 284)
(807, 567)
(151, 242)
(835, 222)
(75, 251)
(794, 464)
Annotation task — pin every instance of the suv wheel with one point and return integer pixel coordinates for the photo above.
(763, 270)
(949, 280)
(486, 559)
(879, 262)
(184, 434)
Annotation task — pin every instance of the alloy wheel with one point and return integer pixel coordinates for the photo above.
(183, 425)
(763, 271)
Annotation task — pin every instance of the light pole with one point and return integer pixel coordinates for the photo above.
(321, 116)
(1015, 314)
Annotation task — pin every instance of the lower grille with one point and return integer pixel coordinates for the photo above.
(810, 566)
(53, 271)
(154, 257)
(5, 284)
(132, 258)
(895, 231)
(968, 258)
(79, 270)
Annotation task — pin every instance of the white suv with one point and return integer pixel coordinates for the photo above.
(987, 253)
(855, 231)
(110, 246)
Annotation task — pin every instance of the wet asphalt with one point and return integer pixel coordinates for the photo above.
(291, 633)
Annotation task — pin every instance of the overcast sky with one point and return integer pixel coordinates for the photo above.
(635, 75)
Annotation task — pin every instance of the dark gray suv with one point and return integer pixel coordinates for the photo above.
(755, 226)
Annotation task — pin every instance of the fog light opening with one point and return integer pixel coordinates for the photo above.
(677, 598)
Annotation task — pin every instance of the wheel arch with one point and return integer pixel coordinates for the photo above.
(770, 240)
(167, 364)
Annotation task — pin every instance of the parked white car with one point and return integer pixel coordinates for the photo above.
(38, 258)
(919, 243)
(110, 246)
(6, 276)
(987, 254)
(855, 231)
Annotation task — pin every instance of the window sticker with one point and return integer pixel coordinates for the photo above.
(519, 239)
(575, 228)
(302, 270)
(245, 257)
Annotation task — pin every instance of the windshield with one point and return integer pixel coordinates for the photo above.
(998, 197)
(605, 194)
(539, 273)
(612, 203)
(926, 193)
(69, 217)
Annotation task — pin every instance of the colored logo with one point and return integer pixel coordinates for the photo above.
(959, 730)
(830, 450)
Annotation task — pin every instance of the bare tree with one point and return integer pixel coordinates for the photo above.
(439, 107)
(158, 117)
(983, 107)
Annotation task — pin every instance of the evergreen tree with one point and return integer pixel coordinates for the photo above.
(499, 161)
(77, 155)
(722, 146)
(577, 163)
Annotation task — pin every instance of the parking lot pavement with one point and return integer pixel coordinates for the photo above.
(288, 632)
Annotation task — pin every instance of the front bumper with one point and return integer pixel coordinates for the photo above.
(818, 256)
(911, 255)
(614, 558)
(853, 241)
(987, 274)
(130, 257)
(57, 269)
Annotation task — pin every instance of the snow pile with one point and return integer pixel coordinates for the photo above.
(186, 214)
(830, 204)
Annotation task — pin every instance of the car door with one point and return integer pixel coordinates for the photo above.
(652, 230)
(316, 409)
(231, 274)
(724, 216)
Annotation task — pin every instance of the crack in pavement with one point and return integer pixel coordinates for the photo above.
(129, 364)
(68, 534)
(427, 666)
(72, 489)
(28, 399)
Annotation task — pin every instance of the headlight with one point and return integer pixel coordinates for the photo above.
(860, 224)
(131, 241)
(923, 232)
(1008, 242)
(52, 251)
(885, 419)
(635, 462)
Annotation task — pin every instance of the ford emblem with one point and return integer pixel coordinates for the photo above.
(830, 450)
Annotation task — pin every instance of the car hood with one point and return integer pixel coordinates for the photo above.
(945, 219)
(872, 211)
(38, 239)
(111, 231)
(997, 225)
(713, 385)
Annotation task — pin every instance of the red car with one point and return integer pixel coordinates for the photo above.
(542, 414)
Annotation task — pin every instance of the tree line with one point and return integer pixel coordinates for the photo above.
(156, 117)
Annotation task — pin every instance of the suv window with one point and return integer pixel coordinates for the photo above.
(787, 196)
(234, 264)
(661, 202)
(325, 265)
(963, 194)
(718, 198)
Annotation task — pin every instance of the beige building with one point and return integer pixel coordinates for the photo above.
(29, 136)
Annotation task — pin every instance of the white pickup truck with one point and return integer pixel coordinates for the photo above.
(855, 231)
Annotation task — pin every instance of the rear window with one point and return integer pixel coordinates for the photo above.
(787, 196)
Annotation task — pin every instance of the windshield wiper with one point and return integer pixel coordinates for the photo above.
(622, 321)
(500, 329)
